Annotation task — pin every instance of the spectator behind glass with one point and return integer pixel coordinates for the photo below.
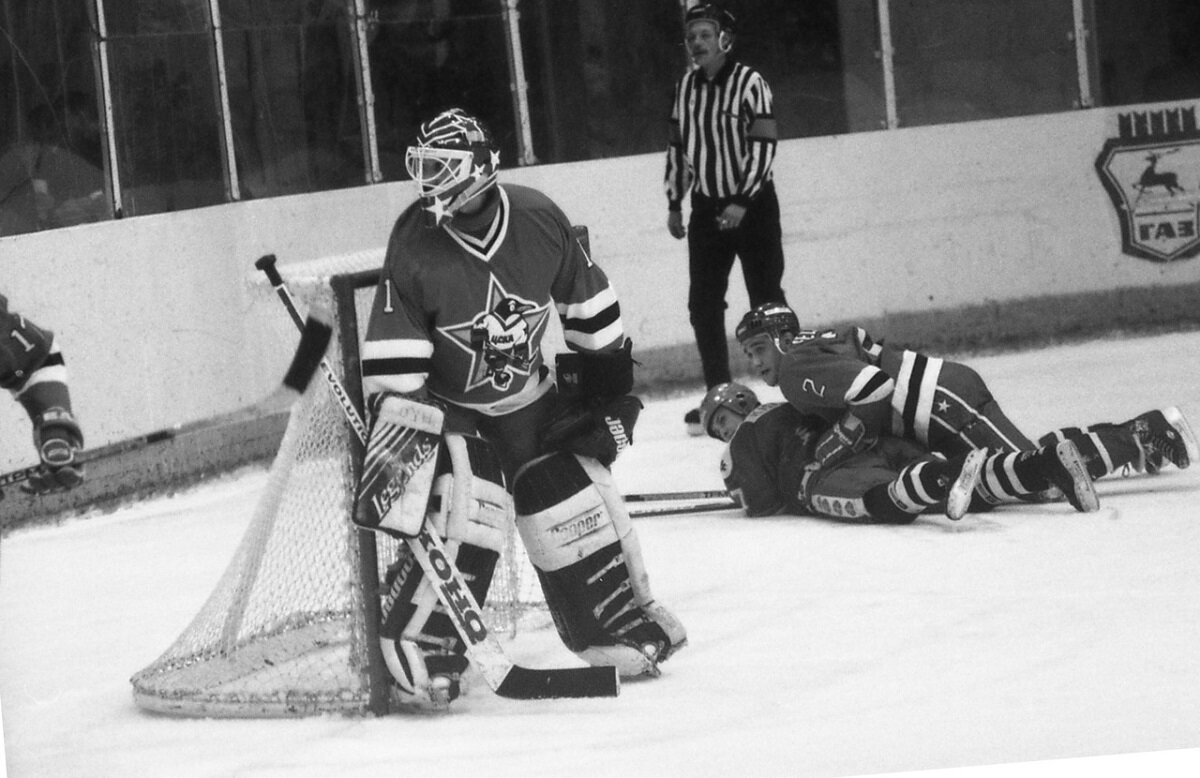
(43, 183)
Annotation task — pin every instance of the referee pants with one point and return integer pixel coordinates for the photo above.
(757, 242)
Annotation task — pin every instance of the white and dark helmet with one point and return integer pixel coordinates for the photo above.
(776, 320)
(453, 160)
(711, 12)
(736, 397)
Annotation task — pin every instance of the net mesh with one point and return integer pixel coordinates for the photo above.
(288, 631)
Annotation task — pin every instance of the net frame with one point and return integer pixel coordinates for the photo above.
(272, 641)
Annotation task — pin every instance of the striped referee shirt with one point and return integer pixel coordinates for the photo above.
(722, 135)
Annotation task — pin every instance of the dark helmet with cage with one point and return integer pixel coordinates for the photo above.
(738, 398)
(453, 160)
(775, 320)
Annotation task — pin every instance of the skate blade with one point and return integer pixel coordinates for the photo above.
(1085, 491)
(963, 488)
(1176, 419)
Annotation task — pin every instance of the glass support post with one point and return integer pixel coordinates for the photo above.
(229, 171)
(518, 84)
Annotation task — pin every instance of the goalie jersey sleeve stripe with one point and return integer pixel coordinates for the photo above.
(397, 365)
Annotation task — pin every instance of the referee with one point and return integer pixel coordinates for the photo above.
(721, 146)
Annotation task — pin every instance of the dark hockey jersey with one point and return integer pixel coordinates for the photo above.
(763, 465)
(25, 349)
(31, 364)
(828, 372)
(465, 316)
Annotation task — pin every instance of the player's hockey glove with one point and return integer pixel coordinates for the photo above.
(57, 437)
(847, 437)
(593, 428)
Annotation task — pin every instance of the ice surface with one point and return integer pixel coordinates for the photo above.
(817, 649)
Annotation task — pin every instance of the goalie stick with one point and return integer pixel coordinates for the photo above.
(315, 334)
(504, 677)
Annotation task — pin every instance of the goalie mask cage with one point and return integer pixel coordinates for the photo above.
(291, 626)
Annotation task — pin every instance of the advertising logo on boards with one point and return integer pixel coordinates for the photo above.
(1151, 172)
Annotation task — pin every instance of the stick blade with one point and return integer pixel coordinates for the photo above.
(314, 340)
(523, 683)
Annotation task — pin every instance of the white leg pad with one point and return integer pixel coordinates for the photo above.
(581, 540)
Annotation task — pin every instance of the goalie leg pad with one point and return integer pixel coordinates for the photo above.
(591, 574)
(470, 509)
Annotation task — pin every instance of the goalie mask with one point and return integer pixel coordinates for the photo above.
(734, 397)
(775, 320)
(453, 160)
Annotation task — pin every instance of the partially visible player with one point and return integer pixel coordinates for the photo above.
(865, 387)
(772, 466)
(32, 369)
(473, 273)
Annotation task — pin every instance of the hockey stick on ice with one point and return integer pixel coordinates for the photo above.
(486, 654)
(673, 503)
(314, 339)
(677, 496)
(677, 508)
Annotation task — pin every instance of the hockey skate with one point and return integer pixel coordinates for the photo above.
(1165, 436)
(1067, 471)
(958, 498)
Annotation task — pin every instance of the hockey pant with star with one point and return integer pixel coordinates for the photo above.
(582, 542)
(948, 407)
(470, 508)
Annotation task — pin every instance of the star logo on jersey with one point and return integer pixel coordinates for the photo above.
(502, 340)
(1150, 173)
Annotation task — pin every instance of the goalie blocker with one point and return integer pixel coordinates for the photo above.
(583, 546)
(399, 465)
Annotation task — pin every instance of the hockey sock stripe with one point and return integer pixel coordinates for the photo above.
(1096, 455)
(999, 481)
(911, 493)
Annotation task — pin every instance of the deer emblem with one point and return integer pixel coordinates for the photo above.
(1151, 176)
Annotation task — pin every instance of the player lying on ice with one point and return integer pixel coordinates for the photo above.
(864, 388)
(452, 362)
(776, 462)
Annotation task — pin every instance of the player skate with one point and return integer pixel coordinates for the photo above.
(1165, 436)
(958, 496)
(1066, 470)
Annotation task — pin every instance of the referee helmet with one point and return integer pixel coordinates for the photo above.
(711, 12)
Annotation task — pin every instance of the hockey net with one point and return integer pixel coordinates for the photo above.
(290, 628)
